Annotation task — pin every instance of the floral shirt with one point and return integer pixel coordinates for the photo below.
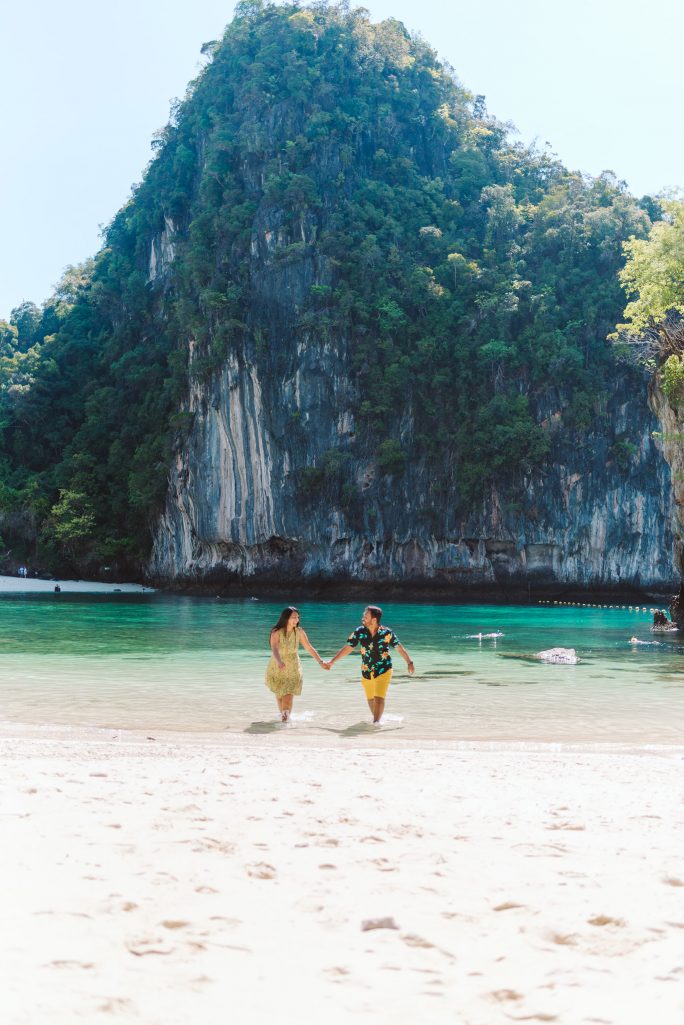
(375, 651)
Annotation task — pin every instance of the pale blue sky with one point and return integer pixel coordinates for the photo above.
(84, 84)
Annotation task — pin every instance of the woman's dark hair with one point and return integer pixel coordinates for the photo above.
(375, 611)
(283, 619)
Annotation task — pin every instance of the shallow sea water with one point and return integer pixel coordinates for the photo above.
(154, 662)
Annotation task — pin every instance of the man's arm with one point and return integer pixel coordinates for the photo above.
(404, 654)
(346, 650)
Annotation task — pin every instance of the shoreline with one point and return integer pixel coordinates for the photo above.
(316, 589)
(38, 585)
(420, 592)
(166, 882)
(289, 737)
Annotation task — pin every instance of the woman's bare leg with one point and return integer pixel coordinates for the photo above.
(286, 707)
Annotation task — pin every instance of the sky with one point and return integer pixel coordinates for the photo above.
(84, 85)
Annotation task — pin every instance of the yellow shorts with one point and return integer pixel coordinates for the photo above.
(378, 686)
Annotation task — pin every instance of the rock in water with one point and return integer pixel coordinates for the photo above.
(559, 656)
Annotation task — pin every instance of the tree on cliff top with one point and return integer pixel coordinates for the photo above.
(653, 276)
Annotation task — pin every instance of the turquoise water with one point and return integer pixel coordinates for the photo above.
(168, 663)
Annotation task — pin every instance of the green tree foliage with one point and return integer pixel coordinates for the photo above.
(466, 274)
(653, 278)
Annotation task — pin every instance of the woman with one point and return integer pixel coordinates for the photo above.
(284, 670)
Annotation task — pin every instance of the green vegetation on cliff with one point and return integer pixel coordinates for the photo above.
(468, 276)
(653, 278)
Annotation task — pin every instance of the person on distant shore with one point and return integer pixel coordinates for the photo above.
(284, 670)
(376, 661)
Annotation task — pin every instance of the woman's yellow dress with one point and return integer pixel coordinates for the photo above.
(288, 680)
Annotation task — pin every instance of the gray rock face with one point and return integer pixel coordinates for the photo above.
(671, 424)
(241, 506)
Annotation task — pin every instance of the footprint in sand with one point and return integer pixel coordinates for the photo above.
(209, 843)
(115, 1004)
(72, 964)
(412, 940)
(143, 947)
(337, 973)
(261, 870)
(383, 865)
(368, 924)
(506, 995)
(574, 827)
(563, 939)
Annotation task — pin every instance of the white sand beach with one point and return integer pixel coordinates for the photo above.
(33, 585)
(182, 880)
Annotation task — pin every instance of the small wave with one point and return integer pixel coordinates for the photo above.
(388, 717)
(484, 637)
(635, 640)
(301, 716)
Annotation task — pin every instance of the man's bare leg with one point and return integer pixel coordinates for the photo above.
(377, 708)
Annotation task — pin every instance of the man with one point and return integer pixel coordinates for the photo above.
(376, 661)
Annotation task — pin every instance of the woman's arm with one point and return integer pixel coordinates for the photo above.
(404, 654)
(275, 648)
(310, 648)
(346, 650)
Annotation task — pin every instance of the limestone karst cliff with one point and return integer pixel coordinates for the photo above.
(670, 433)
(344, 329)
(235, 510)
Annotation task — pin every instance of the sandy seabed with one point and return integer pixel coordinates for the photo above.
(210, 880)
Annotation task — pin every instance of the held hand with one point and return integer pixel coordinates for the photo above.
(325, 665)
(411, 668)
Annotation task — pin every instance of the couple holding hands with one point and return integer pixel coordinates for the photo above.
(284, 670)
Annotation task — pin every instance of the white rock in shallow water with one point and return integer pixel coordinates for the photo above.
(559, 656)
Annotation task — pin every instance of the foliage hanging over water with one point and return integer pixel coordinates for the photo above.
(471, 274)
